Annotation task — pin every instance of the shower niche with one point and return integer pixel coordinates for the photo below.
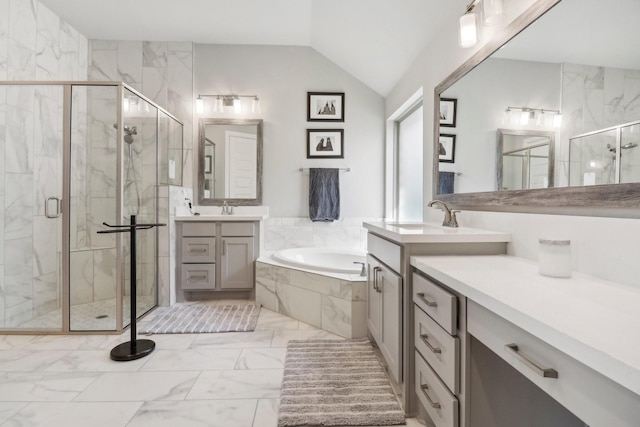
(75, 155)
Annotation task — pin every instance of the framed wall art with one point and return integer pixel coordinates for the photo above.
(447, 148)
(325, 144)
(325, 106)
(448, 107)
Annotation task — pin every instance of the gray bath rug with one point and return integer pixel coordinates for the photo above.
(336, 383)
(200, 318)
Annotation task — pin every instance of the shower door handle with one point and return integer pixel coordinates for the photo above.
(57, 212)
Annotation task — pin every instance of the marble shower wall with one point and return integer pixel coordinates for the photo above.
(594, 98)
(35, 44)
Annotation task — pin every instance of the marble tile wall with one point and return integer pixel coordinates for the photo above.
(594, 98)
(35, 44)
(335, 305)
(298, 232)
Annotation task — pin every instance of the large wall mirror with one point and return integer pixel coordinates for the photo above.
(230, 162)
(564, 81)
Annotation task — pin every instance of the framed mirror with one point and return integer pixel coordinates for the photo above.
(569, 69)
(229, 162)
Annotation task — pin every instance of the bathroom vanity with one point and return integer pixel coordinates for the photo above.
(216, 255)
(390, 314)
(523, 349)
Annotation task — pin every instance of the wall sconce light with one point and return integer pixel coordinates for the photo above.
(535, 116)
(232, 101)
(468, 27)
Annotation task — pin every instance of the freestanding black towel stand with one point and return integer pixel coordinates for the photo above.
(134, 349)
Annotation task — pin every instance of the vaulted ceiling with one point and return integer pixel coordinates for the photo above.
(374, 40)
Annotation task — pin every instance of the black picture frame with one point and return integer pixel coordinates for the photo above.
(325, 106)
(447, 146)
(448, 112)
(325, 144)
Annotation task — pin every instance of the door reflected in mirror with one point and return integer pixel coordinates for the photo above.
(526, 159)
(230, 159)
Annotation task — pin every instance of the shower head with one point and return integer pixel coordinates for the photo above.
(129, 132)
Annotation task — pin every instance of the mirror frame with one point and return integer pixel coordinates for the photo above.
(556, 200)
(202, 123)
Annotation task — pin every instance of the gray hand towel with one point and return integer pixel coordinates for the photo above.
(445, 182)
(324, 194)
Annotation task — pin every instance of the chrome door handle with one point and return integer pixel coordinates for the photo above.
(375, 278)
(46, 207)
(424, 389)
(426, 301)
(378, 288)
(425, 339)
(543, 372)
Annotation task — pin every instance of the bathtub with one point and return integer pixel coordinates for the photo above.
(322, 259)
(318, 286)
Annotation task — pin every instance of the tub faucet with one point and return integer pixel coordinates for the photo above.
(226, 209)
(363, 271)
(450, 219)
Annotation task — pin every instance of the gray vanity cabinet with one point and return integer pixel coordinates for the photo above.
(216, 256)
(238, 254)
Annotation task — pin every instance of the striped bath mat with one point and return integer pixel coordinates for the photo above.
(336, 383)
(200, 318)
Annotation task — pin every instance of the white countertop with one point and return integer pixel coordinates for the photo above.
(433, 233)
(597, 322)
(213, 213)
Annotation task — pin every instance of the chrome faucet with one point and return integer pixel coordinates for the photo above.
(226, 209)
(450, 219)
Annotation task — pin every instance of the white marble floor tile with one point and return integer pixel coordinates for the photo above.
(169, 341)
(74, 414)
(204, 413)
(261, 358)
(139, 386)
(234, 340)
(8, 409)
(266, 413)
(196, 359)
(72, 342)
(92, 361)
(238, 384)
(46, 386)
(272, 323)
(282, 337)
(28, 361)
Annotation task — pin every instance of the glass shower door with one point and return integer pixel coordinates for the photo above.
(31, 152)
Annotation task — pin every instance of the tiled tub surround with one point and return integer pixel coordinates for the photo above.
(335, 304)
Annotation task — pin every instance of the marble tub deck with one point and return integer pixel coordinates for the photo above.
(226, 380)
(329, 303)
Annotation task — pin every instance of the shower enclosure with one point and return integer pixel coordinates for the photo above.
(605, 156)
(75, 155)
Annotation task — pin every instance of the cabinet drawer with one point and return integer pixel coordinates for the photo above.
(387, 252)
(198, 229)
(198, 249)
(441, 305)
(440, 404)
(239, 229)
(197, 277)
(592, 397)
(440, 349)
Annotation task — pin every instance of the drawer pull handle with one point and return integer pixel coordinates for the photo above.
(375, 278)
(425, 339)
(543, 372)
(198, 277)
(426, 301)
(424, 389)
(197, 250)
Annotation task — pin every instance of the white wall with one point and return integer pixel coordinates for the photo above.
(281, 77)
(604, 247)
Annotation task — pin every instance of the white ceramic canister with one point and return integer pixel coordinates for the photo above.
(554, 258)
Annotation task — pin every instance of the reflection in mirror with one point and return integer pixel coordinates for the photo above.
(525, 159)
(230, 161)
(589, 74)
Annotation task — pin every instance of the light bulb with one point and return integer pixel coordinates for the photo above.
(199, 105)
(524, 117)
(255, 106)
(557, 120)
(493, 12)
(237, 106)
